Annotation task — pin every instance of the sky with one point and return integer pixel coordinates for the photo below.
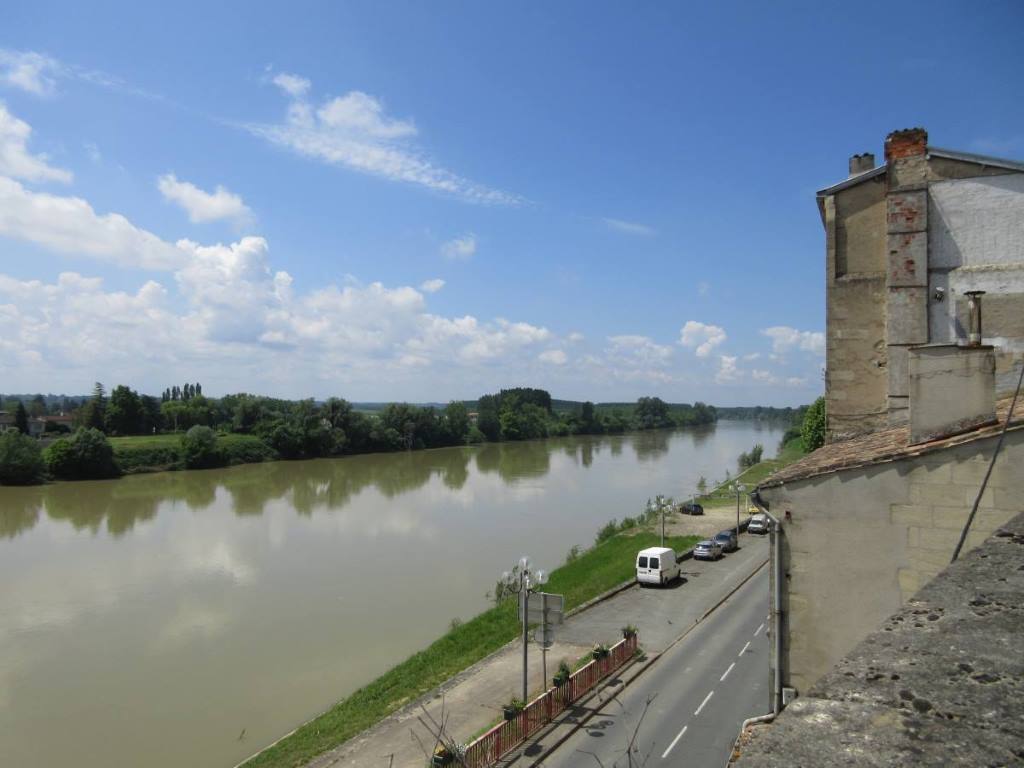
(431, 201)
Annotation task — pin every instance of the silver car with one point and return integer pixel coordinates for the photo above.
(707, 550)
(758, 524)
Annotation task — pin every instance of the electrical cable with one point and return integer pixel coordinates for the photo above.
(991, 464)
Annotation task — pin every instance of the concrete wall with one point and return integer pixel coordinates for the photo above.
(858, 544)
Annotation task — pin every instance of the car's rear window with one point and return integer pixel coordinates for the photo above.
(654, 562)
(723, 536)
(641, 561)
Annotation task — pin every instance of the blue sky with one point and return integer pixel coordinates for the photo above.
(427, 201)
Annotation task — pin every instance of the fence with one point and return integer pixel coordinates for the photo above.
(488, 749)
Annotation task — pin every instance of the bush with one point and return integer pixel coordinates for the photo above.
(20, 460)
(813, 430)
(86, 455)
(199, 448)
(244, 449)
(147, 459)
(607, 530)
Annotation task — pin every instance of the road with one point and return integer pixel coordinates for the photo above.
(700, 691)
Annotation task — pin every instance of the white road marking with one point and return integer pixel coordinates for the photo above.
(744, 649)
(706, 698)
(676, 739)
(758, 630)
(722, 678)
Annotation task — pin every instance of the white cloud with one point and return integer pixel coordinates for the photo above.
(201, 205)
(575, 337)
(702, 336)
(796, 381)
(727, 371)
(785, 338)
(553, 356)
(752, 356)
(293, 85)
(70, 225)
(432, 286)
(28, 71)
(353, 131)
(460, 248)
(629, 227)
(763, 376)
(15, 159)
(631, 349)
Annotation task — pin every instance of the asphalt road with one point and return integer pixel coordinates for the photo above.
(700, 691)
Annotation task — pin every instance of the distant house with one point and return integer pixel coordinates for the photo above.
(6, 420)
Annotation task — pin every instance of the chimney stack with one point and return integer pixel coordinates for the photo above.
(906, 143)
(861, 163)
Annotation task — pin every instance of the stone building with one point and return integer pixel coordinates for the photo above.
(904, 241)
(918, 397)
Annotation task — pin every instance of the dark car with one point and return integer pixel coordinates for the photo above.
(728, 540)
(691, 508)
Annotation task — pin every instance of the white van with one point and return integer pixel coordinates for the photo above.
(656, 565)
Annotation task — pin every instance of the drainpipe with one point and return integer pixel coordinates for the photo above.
(775, 543)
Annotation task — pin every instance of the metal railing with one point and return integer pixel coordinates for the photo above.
(505, 736)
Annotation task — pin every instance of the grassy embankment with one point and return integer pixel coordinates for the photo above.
(724, 495)
(158, 453)
(592, 572)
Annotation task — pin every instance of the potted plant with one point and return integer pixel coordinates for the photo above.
(629, 631)
(562, 675)
(442, 756)
(600, 651)
(513, 708)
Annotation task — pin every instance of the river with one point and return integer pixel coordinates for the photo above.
(190, 618)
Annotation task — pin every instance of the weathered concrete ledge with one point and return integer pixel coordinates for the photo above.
(941, 683)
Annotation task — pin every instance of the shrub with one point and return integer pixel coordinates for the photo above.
(147, 459)
(86, 455)
(199, 448)
(607, 530)
(244, 449)
(20, 460)
(813, 430)
(573, 554)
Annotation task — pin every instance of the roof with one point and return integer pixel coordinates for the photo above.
(887, 445)
(653, 551)
(949, 154)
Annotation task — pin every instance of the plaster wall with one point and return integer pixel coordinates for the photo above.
(858, 544)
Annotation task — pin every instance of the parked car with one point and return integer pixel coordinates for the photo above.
(708, 549)
(758, 524)
(728, 540)
(657, 565)
(691, 508)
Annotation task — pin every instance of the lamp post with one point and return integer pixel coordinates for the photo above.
(740, 488)
(528, 580)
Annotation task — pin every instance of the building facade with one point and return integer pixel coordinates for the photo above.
(904, 241)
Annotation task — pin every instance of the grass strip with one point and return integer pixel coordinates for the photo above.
(595, 571)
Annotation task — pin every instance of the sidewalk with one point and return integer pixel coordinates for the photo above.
(472, 700)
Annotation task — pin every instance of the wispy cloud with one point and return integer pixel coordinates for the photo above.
(15, 159)
(432, 286)
(629, 227)
(38, 74)
(460, 248)
(201, 205)
(354, 132)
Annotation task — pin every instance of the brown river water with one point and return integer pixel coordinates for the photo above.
(191, 618)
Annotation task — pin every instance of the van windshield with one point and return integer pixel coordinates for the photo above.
(641, 561)
(654, 562)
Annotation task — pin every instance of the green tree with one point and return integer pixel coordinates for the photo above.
(488, 417)
(86, 455)
(813, 430)
(21, 418)
(94, 412)
(456, 420)
(37, 407)
(124, 412)
(199, 448)
(20, 460)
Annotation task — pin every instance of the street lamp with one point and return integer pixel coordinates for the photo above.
(740, 489)
(528, 581)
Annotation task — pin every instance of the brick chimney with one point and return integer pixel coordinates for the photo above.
(906, 143)
(861, 163)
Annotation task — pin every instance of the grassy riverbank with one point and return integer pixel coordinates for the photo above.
(592, 572)
(724, 494)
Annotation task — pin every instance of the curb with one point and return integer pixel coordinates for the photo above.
(555, 724)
